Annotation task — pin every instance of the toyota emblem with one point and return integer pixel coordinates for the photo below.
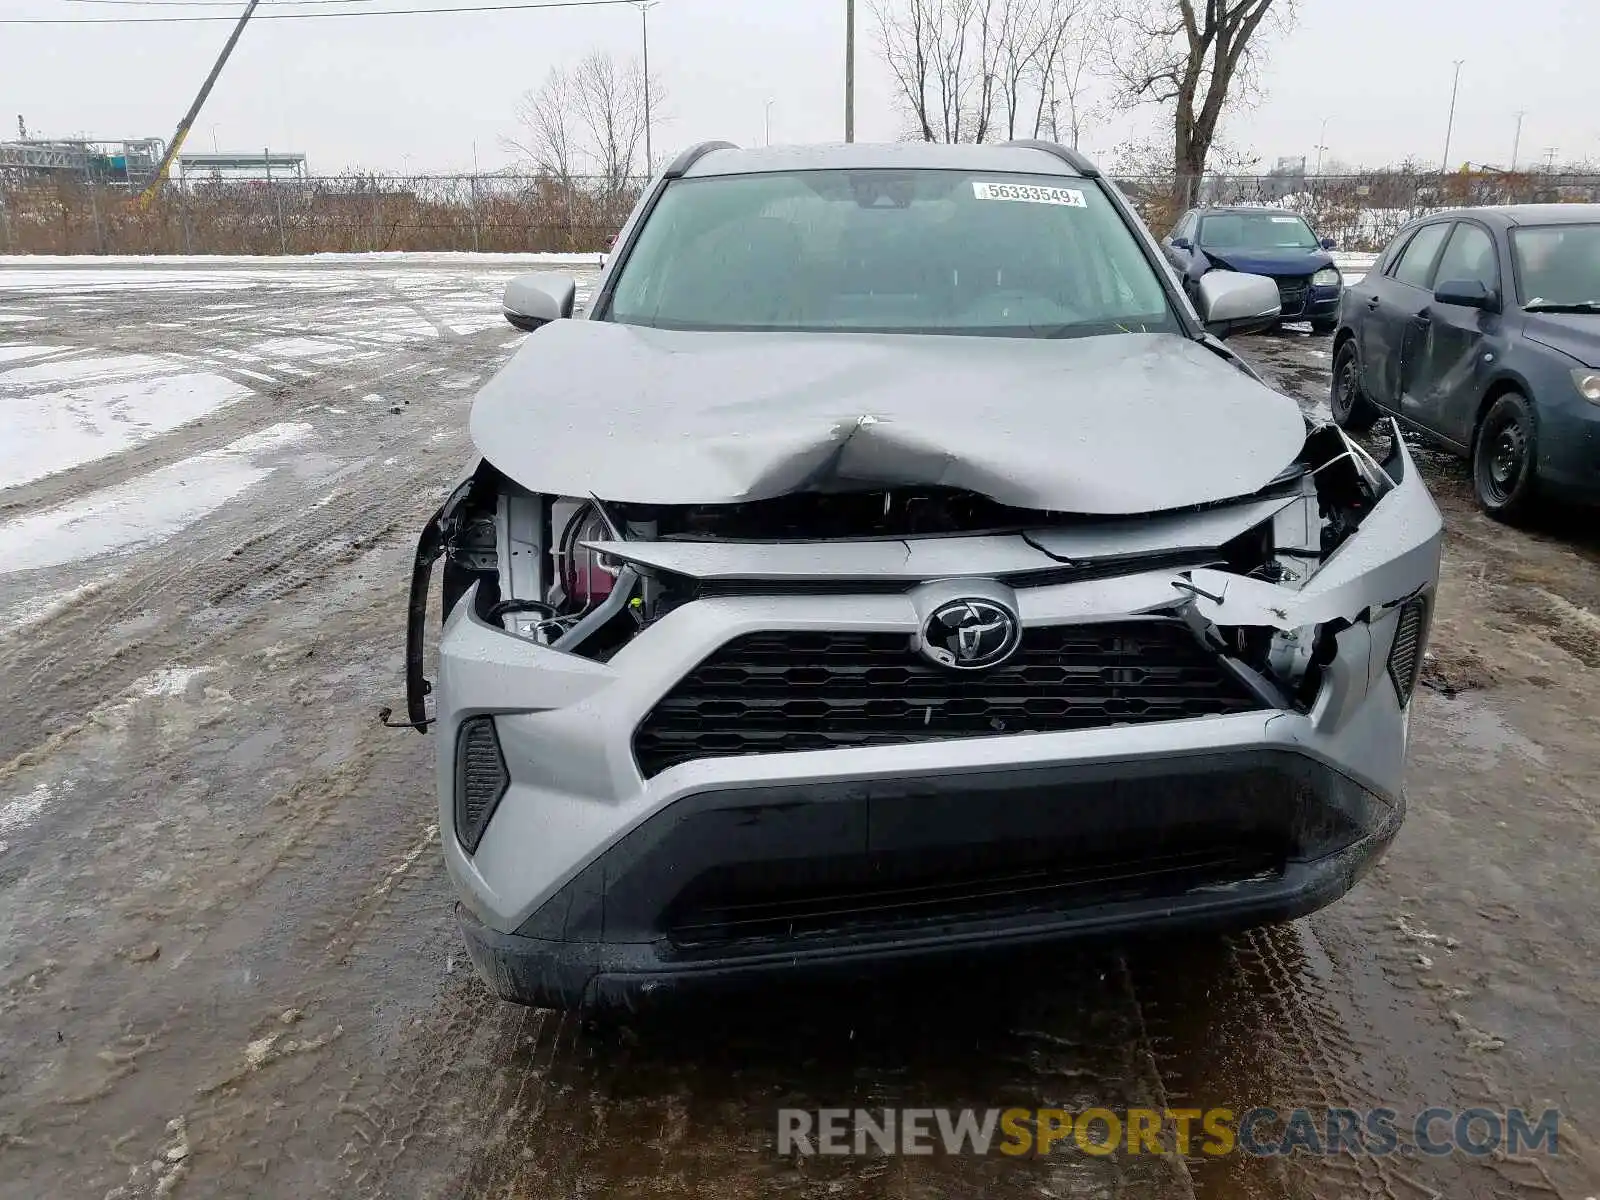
(970, 634)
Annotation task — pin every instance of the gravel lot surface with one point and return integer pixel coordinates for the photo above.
(227, 960)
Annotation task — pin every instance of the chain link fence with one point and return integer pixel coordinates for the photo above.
(508, 213)
(350, 213)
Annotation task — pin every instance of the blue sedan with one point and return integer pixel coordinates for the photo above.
(1260, 241)
(1480, 329)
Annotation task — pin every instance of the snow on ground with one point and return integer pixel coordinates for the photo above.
(18, 353)
(145, 510)
(17, 814)
(380, 258)
(50, 430)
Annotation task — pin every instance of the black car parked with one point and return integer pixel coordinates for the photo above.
(1481, 329)
(1261, 241)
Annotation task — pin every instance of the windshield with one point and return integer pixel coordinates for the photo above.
(1558, 266)
(1256, 231)
(901, 251)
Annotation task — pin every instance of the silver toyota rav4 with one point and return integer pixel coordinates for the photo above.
(892, 562)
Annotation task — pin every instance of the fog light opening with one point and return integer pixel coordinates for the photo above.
(1405, 655)
(481, 779)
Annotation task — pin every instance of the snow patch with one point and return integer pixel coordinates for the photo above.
(17, 353)
(16, 815)
(48, 432)
(169, 681)
(73, 370)
(143, 511)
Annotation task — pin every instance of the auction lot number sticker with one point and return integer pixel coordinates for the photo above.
(1028, 193)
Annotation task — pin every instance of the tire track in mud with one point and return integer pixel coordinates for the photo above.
(1289, 1024)
(685, 1102)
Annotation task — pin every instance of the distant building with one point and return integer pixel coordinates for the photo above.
(263, 165)
(128, 161)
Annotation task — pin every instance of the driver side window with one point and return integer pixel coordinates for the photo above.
(1469, 256)
(1417, 258)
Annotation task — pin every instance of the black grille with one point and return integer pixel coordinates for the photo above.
(1292, 295)
(732, 908)
(775, 692)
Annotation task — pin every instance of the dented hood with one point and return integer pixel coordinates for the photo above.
(1127, 423)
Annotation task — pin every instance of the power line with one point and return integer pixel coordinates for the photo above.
(232, 4)
(310, 16)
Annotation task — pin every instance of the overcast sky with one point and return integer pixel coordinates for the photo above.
(419, 92)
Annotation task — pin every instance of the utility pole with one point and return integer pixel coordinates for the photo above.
(849, 70)
(184, 125)
(1550, 160)
(1449, 128)
(649, 147)
(1516, 142)
(769, 122)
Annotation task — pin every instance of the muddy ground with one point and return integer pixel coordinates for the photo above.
(227, 962)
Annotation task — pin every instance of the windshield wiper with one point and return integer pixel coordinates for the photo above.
(1575, 306)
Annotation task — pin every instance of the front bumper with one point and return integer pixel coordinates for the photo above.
(594, 880)
(729, 886)
(1569, 440)
(1308, 303)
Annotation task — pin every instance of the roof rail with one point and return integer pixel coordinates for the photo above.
(1066, 154)
(692, 155)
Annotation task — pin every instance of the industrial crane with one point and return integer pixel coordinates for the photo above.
(149, 193)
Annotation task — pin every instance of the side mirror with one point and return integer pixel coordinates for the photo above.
(1468, 293)
(532, 301)
(1328, 243)
(1232, 302)
(1182, 243)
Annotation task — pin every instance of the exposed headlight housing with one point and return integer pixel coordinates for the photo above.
(1588, 384)
(1327, 277)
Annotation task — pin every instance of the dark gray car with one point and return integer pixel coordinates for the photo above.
(1481, 329)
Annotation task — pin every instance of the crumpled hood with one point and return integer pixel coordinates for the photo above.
(1270, 262)
(1127, 423)
(1576, 334)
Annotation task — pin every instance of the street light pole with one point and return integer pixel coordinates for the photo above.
(850, 70)
(1322, 139)
(644, 28)
(1449, 128)
(1516, 142)
(769, 123)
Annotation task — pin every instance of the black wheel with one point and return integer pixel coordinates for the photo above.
(1503, 458)
(1349, 404)
(1324, 328)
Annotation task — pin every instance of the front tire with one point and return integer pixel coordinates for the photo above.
(1349, 404)
(1504, 455)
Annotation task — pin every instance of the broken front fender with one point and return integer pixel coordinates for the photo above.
(1393, 555)
(430, 545)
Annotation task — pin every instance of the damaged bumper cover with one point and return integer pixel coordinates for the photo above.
(1175, 743)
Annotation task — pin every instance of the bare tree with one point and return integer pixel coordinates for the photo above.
(967, 69)
(550, 140)
(1071, 69)
(939, 53)
(1194, 55)
(589, 120)
(610, 103)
